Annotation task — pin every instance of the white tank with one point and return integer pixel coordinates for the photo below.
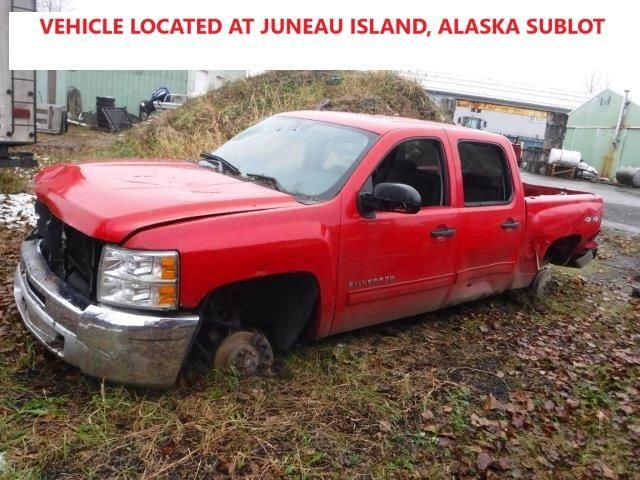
(565, 158)
(629, 176)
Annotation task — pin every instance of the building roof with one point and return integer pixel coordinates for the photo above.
(381, 124)
(603, 111)
(604, 91)
(499, 91)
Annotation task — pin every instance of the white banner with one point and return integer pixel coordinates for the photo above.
(282, 35)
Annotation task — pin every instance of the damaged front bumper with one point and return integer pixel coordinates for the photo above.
(126, 346)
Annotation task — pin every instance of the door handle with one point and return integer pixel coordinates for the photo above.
(443, 232)
(510, 224)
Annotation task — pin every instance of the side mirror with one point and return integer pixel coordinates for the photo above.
(389, 197)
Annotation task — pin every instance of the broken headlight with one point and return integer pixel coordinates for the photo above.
(138, 278)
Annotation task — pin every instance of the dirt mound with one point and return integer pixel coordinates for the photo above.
(209, 120)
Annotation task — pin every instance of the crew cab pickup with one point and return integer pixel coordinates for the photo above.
(306, 224)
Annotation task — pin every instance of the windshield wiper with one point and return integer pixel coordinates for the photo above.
(266, 178)
(220, 163)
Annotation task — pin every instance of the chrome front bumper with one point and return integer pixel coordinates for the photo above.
(126, 346)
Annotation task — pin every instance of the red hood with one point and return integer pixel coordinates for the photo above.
(111, 200)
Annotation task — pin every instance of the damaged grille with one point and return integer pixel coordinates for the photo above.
(71, 255)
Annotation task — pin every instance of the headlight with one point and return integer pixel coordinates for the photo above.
(138, 278)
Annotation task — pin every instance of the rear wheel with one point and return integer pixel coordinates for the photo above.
(541, 283)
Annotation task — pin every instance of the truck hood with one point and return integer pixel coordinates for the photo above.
(111, 200)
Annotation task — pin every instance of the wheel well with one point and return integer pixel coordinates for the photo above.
(278, 305)
(560, 250)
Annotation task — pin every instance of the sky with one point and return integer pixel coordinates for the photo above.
(566, 63)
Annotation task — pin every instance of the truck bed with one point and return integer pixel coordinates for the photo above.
(560, 206)
(531, 190)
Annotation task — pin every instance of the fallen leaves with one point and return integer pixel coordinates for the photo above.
(484, 461)
(478, 421)
(491, 403)
(385, 425)
(517, 421)
(493, 389)
(635, 428)
(607, 472)
(504, 463)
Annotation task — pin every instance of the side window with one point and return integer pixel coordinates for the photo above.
(485, 173)
(418, 163)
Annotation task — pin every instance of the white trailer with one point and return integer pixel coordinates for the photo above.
(17, 91)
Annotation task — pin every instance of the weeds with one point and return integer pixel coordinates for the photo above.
(458, 400)
(11, 181)
(205, 122)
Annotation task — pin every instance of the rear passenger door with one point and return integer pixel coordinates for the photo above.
(396, 264)
(491, 218)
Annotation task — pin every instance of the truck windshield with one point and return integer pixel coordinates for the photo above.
(307, 158)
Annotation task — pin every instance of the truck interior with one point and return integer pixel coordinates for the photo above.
(485, 174)
(417, 163)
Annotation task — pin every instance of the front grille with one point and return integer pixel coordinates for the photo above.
(71, 255)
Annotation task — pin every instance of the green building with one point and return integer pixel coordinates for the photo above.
(606, 131)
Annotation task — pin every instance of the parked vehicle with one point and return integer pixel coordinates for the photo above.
(17, 93)
(308, 223)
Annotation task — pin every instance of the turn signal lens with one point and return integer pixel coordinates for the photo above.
(169, 268)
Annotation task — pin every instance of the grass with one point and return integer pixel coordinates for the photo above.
(207, 121)
(459, 404)
(346, 407)
(395, 401)
(12, 182)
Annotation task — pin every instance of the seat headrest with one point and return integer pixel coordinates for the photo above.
(404, 166)
(473, 180)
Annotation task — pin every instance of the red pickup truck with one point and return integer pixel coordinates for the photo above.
(308, 223)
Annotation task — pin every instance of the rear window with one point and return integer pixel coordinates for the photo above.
(485, 174)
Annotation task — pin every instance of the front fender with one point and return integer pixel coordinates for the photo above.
(218, 251)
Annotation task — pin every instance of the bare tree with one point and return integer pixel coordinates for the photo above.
(53, 5)
(596, 82)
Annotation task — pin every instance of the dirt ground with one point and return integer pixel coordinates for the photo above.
(74, 144)
(499, 388)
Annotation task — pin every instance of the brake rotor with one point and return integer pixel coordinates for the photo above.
(244, 352)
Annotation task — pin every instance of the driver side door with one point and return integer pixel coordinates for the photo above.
(397, 265)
